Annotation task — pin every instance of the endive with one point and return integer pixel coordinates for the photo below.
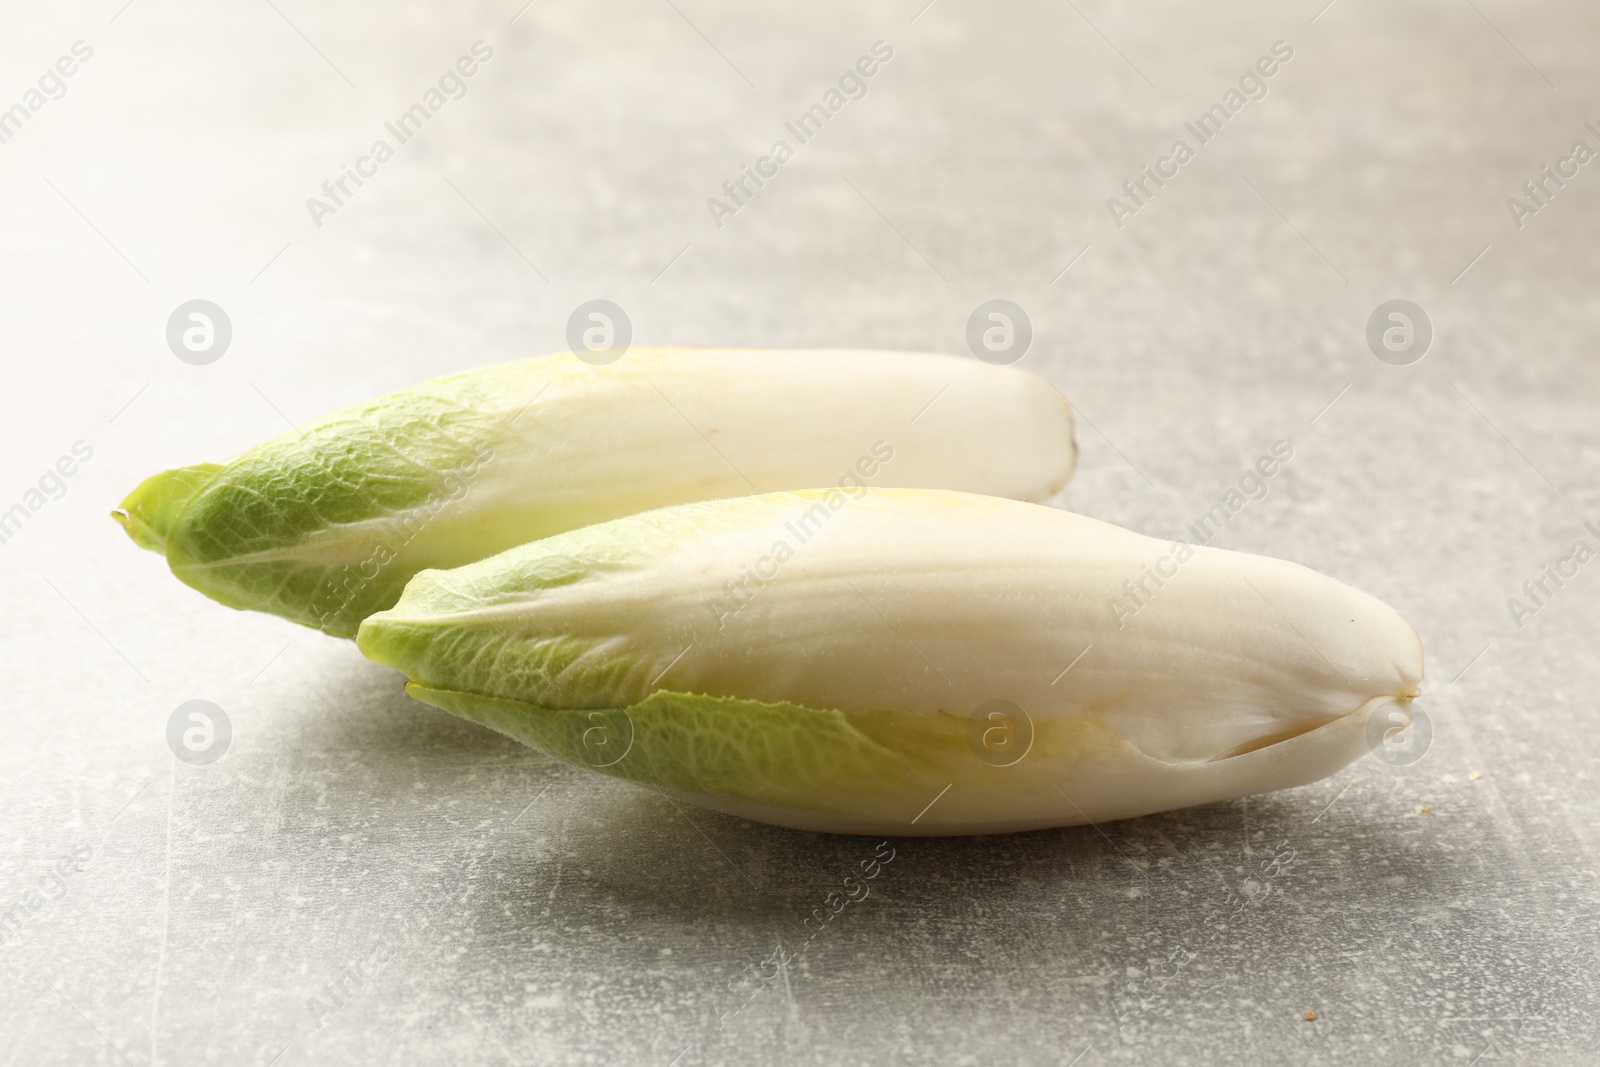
(325, 524)
(903, 661)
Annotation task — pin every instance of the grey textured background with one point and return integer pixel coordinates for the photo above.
(528, 912)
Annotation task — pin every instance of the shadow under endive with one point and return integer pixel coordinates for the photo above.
(609, 889)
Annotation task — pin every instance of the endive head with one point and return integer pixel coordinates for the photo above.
(839, 661)
(325, 524)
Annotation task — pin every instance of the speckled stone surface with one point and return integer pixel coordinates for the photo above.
(479, 903)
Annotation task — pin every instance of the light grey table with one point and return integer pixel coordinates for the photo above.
(479, 903)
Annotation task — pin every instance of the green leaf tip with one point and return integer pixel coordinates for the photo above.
(151, 511)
